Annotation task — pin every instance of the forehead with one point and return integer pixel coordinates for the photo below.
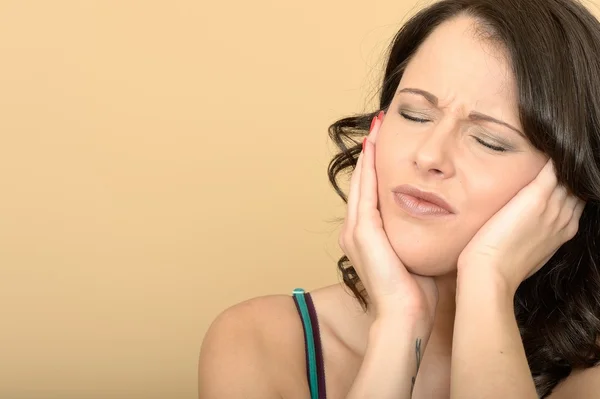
(463, 68)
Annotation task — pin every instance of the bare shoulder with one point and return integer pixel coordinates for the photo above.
(254, 349)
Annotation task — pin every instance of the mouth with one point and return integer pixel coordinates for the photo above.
(421, 203)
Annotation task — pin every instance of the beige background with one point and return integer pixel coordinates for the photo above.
(159, 162)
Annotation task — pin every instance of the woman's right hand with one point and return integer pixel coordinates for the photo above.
(393, 292)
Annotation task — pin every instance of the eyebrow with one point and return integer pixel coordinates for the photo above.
(474, 115)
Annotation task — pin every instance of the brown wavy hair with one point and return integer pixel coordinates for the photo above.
(554, 49)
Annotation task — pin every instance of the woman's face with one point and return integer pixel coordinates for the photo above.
(447, 154)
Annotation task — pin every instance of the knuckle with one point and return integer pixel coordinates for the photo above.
(572, 230)
(555, 214)
(342, 242)
(538, 203)
(360, 235)
(357, 234)
(344, 226)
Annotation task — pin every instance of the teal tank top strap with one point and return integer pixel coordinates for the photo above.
(309, 338)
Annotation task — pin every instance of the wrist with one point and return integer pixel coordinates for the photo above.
(483, 281)
(403, 312)
(396, 328)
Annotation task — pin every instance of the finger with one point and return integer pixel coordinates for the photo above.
(559, 196)
(354, 194)
(546, 180)
(572, 226)
(372, 137)
(367, 203)
(579, 209)
(357, 176)
(368, 185)
(568, 204)
(556, 205)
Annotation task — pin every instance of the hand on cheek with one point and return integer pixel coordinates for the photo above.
(522, 236)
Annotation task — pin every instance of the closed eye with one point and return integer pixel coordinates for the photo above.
(491, 146)
(414, 119)
(483, 143)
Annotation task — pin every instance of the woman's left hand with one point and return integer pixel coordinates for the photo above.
(522, 236)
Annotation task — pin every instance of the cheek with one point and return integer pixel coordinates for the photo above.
(487, 194)
(386, 165)
(391, 157)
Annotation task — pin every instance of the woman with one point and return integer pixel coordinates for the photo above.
(471, 231)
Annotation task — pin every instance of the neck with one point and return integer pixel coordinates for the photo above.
(443, 325)
(446, 285)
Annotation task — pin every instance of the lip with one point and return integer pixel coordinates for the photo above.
(421, 203)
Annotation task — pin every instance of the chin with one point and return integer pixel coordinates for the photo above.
(425, 258)
(425, 271)
(429, 270)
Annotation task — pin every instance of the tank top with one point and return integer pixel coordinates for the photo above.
(315, 372)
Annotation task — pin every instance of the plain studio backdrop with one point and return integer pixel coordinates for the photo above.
(159, 162)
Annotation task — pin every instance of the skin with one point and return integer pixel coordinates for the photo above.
(443, 154)
(260, 341)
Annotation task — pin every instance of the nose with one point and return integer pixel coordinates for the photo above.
(432, 157)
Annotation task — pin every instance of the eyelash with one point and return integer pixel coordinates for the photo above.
(419, 120)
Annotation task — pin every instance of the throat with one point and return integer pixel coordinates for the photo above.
(442, 331)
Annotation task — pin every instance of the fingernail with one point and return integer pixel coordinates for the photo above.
(373, 123)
